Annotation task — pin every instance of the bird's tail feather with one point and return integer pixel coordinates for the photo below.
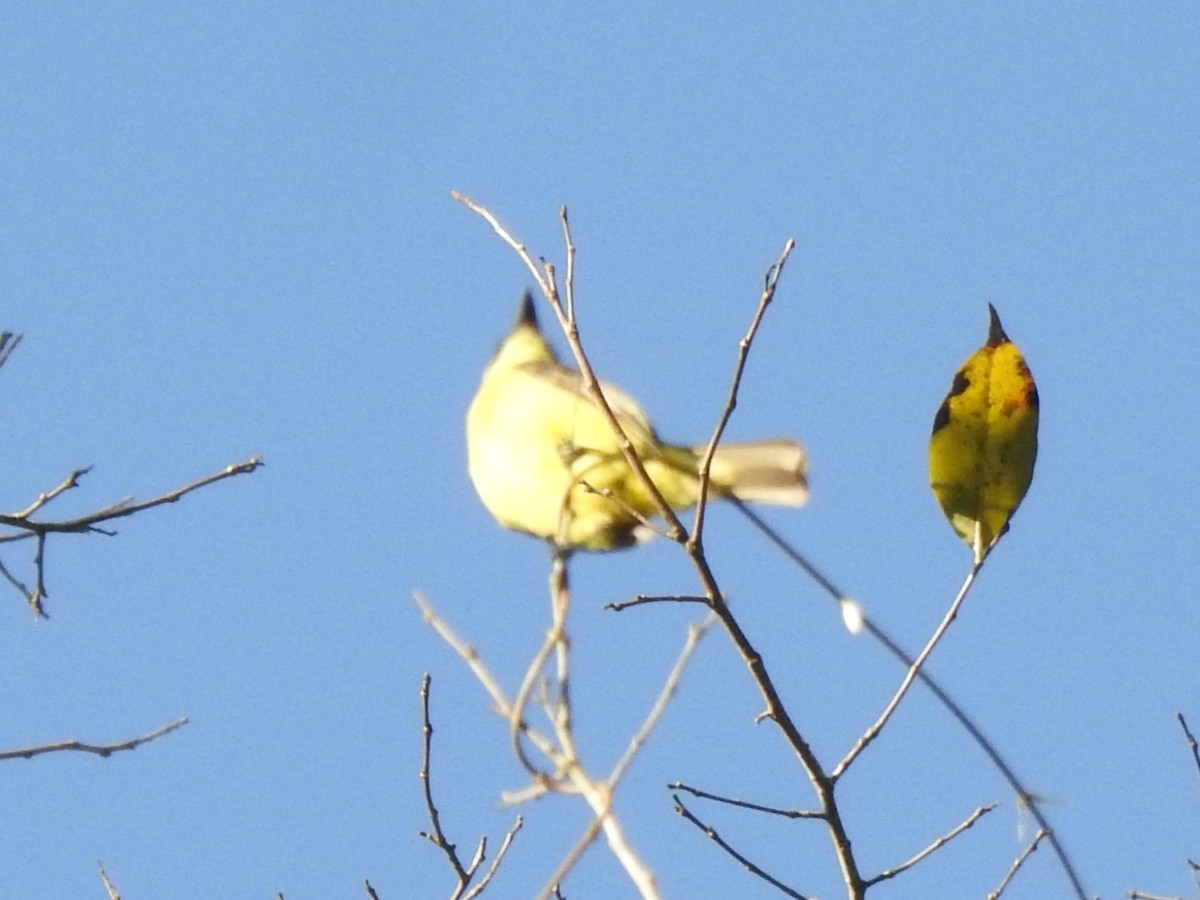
(773, 471)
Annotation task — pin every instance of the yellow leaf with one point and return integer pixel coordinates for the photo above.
(984, 441)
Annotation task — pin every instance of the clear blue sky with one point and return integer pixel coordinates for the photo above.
(226, 229)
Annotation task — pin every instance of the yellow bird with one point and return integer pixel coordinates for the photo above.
(545, 461)
(984, 441)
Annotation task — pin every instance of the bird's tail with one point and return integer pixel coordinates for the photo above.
(774, 471)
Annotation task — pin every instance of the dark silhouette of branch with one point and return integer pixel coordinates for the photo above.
(98, 749)
(746, 804)
(465, 874)
(22, 525)
(1024, 796)
(724, 845)
(643, 599)
(1191, 741)
(8, 343)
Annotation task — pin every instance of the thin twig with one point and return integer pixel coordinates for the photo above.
(598, 797)
(370, 890)
(68, 483)
(8, 343)
(571, 859)
(565, 313)
(500, 854)
(904, 658)
(104, 750)
(1017, 863)
(507, 237)
(126, 506)
(1191, 741)
(695, 635)
(470, 656)
(437, 837)
(764, 300)
(724, 845)
(109, 887)
(643, 599)
(746, 804)
(25, 526)
(910, 676)
(936, 845)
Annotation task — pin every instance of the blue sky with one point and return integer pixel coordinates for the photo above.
(227, 230)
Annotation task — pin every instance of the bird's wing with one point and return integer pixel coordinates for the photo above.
(631, 416)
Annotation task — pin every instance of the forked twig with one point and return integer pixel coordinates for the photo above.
(949, 703)
(750, 867)
(696, 633)
(25, 527)
(464, 873)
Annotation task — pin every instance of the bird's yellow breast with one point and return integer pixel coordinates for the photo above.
(545, 460)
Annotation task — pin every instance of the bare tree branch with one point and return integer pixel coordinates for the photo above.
(724, 845)
(24, 527)
(464, 873)
(490, 873)
(642, 600)
(1191, 741)
(8, 343)
(109, 887)
(1017, 864)
(1024, 795)
(104, 750)
(913, 670)
(936, 845)
(746, 804)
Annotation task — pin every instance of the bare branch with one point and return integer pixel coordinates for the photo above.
(936, 845)
(695, 635)
(746, 804)
(25, 527)
(913, 670)
(437, 837)
(1017, 863)
(642, 600)
(768, 294)
(71, 481)
(1191, 741)
(8, 343)
(490, 873)
(109, 887)
(724, 845)
(121, 508)
(104, 750)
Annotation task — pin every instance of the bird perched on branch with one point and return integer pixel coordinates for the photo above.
(545, 460)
